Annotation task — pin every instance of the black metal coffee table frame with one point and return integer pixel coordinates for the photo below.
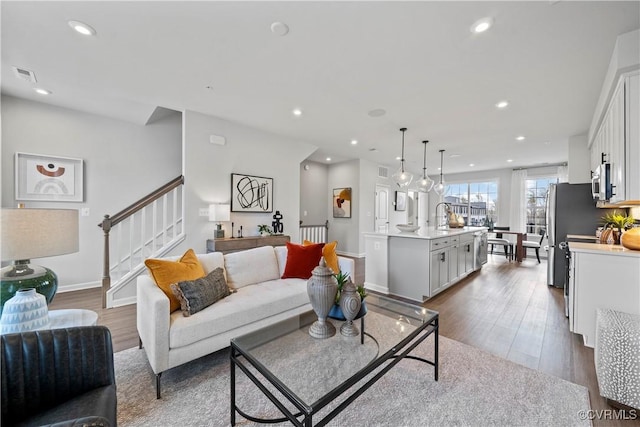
(393, 356)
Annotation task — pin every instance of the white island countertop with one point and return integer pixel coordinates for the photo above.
(601, 248)
(429, 232)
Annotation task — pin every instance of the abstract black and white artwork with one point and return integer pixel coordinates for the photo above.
(251, 193)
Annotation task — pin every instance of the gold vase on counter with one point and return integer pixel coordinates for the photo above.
(631, 239)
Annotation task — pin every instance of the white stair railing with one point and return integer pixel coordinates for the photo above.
(149, 228)
(314, 233)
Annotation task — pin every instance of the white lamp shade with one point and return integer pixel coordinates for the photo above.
(219, 213)
(38, 233)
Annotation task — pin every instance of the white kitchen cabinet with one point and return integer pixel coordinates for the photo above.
(439, 270)
(601, 276)
(618, 138)
(465, 255)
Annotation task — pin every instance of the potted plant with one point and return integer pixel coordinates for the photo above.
(264, 230)
(336, 311)
(614, 224)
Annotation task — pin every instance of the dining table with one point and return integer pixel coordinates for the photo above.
(520, 237)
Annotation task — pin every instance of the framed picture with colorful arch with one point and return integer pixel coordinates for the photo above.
(341, 202)
(48, 178)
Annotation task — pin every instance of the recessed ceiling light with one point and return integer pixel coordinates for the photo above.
(398, 158)
(42, 91)
(297, 112)
(471, 164)
(502, 104)
(520, 138)
(328, 159)
(482, 25)
(439, 169)
(509, 160)
(354, 142)
(82, 28)
(378, 112)
(279, 28)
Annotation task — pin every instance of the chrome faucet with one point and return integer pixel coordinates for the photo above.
(448, 207)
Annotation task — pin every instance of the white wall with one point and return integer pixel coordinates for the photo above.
(122, 162)
(208, 167)
(345, 230)
(579, 164)
(367, 201)
(313, 192)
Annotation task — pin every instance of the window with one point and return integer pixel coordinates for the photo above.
(536, 196)
(475, 201)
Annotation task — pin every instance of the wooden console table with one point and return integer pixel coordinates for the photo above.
(235, 244)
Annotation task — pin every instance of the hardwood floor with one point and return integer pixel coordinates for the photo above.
(506, 309)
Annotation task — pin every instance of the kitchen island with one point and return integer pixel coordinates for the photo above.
(601, 276)
(418, 265)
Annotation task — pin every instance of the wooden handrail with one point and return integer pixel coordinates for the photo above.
(146, 200)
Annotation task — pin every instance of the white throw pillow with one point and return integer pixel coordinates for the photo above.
(251, 266)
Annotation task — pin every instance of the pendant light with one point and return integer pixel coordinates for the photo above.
(425, 184)
(439, 187)
(402, 178)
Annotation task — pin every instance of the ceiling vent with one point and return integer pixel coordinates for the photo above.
(383, 172)
(25, 75)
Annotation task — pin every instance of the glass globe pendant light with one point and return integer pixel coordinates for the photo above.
(425, 184)
(401, 177)
(439, 187)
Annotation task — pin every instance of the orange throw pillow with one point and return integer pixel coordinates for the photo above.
(301, 260)
(165, 273)
(329, 254)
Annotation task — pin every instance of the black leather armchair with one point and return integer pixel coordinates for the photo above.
(60, 377)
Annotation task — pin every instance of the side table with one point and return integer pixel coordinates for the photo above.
(69, 318)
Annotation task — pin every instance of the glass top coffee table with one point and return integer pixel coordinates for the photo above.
(303, 375)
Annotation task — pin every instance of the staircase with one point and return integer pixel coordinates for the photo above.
(149, 228)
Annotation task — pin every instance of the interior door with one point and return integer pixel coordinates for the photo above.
(382, 209)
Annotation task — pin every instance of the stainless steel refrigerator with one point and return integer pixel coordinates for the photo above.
(570, 210)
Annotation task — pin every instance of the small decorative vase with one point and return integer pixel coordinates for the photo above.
(26, 311)
(350, 305)
(322, 288)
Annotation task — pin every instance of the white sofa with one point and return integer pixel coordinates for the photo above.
(262, 299)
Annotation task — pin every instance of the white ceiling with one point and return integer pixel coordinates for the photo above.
(416, 60)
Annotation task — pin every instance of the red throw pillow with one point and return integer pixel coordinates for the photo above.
(301, 260)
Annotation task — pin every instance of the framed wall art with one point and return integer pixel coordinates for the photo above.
(401, 200)
(342, 202)
(48, 178)
(251, 193)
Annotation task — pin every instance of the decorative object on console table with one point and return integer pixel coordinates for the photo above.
(342, 202)
(350, 304)
(34, 233)
(264, 230)
(278, 227)
(322, 288)
(219, 214)
(251, 194)
(25, 311)
(48, 178)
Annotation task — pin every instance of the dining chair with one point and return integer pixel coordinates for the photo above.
(535, 245)
(500, 240)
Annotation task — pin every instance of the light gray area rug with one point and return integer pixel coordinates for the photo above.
(474, 388)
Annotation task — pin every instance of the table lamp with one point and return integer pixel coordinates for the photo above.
(34, 233)
(219, 214)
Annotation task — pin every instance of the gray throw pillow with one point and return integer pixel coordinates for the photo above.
(196, 295)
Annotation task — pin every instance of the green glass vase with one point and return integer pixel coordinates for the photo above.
(23, 275)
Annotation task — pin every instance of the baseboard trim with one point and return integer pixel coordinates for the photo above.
(78, 287)
(350, 254)
(123, 301)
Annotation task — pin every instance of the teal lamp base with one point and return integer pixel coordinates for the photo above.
(22, 275)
